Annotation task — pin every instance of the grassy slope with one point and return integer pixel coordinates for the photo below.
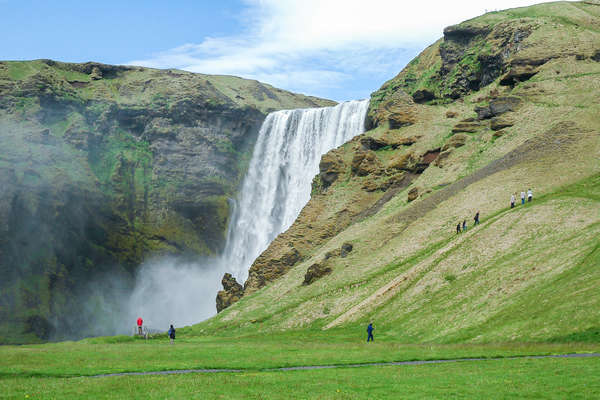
(523, 275)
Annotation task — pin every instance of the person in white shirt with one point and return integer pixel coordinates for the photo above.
(522, 197)
(529, 195)
(512, 201)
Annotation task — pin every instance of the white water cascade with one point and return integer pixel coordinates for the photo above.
(276, 188)
(278, 183)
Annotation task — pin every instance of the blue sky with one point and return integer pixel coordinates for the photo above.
(337, 49)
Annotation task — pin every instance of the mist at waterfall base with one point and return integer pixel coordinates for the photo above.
(276, 187)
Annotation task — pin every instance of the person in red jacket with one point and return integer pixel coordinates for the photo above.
(140, 322)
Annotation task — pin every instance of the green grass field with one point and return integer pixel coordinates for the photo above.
(65, 370)
(295, 348)
(504, 378)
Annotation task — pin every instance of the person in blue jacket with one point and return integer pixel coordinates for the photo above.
(171, 333)
(370, 333)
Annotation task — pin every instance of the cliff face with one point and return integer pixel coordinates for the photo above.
(476, 103)
(103, 165)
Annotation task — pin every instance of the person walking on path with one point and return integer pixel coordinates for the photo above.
(529, 195)
(458, 228)
(370, 333)
(476, 218)
(172, 334)
(464, 225)
(140, 322)
(522, 197)
(512, 200)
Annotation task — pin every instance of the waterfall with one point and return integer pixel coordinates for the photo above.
(278, 182)
(276, 187)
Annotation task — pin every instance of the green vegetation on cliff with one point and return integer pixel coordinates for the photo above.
(105, 165)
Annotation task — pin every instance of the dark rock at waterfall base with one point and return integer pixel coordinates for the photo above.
(231, 293)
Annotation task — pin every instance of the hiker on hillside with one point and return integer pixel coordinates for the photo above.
(140, 322)
(512, 200)
(370, 333)
(464, 225)
(458, 228)
(171, 334)
(476, 218)
(529, 195)
(522, 197)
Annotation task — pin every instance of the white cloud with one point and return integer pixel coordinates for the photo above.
(314, 44)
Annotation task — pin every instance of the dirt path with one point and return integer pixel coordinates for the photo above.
(312, 367)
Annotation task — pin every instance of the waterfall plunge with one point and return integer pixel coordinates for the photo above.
(277, 185)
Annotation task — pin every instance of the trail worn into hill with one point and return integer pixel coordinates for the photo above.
(555, 139)
(313, 367)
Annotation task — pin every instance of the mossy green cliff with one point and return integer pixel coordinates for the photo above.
(102, 166)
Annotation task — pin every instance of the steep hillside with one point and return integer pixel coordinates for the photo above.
(502, 103)
(103, 165)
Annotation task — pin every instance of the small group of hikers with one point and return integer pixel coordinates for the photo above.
(463, 228)
(170, 332)
(513, 197)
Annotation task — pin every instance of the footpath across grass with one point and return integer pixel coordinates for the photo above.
(494, 379)
(253, 353)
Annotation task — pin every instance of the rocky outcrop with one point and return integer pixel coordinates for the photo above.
(498, 106)
(330, 167)
(466, 126)
(270, 265)
(457, 140)
(346, 249)
(231, 293)
(412, 194)
(398, 111)
(109, 164)
(371, 143)
(365, 163)
(440, 161)
(498, 123)
(319, 270)
(518, 73)
(403, 162)
(469, 57)
(315, 272)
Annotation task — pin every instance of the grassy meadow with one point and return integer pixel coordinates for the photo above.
(495, 379)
